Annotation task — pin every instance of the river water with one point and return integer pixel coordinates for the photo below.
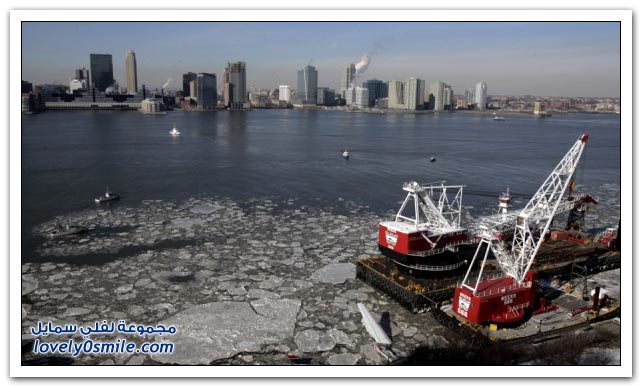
(68, 158)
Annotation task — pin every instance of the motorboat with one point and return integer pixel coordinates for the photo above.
(107, 197)
(345, 153)
(174, 131)
(65, 230)
(432, 159)
(498, 118)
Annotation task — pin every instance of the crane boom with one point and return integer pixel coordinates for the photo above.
(504, 299)
(540, 210)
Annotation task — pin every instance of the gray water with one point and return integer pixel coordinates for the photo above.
(69, 157)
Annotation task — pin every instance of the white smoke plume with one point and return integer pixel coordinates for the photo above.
(360, 68)
(169, 80)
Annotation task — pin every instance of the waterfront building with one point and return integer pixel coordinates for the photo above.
(102, 71)
(469, 97)
(376, 89)
(237, 93)
(395, 95)
(381, 103)
(448, 98)
(131, 72)
(436, 98)
(307, 82)
(187, 79)
(259, 98)
(540, 109)
(414, 94)
(480, 96)
(206, 90)
(357, 96)
(285, 93)
(82, 73)
(150, 105)
(77, 85)
(326, 96)
(346, 79)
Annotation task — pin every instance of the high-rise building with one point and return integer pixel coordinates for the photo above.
(237, 93)
(480, 96)
(82, 73)
(414, 93)
(206, 90)
(325, 96)
(131, 72)
(448, 98)
(436, 101)
(469, 97)
(307, 82)
(395, 95)
(346, 79)
(376, 89)
(357, 96)
(193, 93)
(187, 78)
(285, 93)
(102, 71)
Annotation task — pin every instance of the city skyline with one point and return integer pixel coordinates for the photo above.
(566, 59)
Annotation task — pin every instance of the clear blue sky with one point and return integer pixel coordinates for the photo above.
(557, 59)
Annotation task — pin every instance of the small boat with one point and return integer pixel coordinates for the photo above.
(432, 159)
(498, 118)
(107, 197)
(174, 131)
(65, 230)
(345, 153)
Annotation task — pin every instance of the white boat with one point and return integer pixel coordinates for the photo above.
(65, 230)
(345, 153)
(174, 131)
(498, 118)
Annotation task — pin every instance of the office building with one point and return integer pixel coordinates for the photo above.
(101, 71)
(307, 85)
(131, 72)
(192, 88)
(376, 89)
(326, 96)
(436, 97)
(82, 73)
(469, 97)
(395, 95)
(346, 79)
(187, 79)
(206, 91)
(285, 93)
(448, 98)
(414, 94)
(237, 94)
(480, 96)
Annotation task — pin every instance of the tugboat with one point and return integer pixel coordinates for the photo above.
(107, 197)
(174, 131)
(65, 230)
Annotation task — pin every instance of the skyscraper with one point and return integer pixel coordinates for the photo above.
(480, 96)
(82, 73)
(187, 78)
(236, 84)
(395, 95)
(307, 85)
(102, 71)
(346, 79)
(206, 90)
(376, 89)
(413, 93)
(469, 97)
(448, 97)
(131, 72)
(436, 101)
